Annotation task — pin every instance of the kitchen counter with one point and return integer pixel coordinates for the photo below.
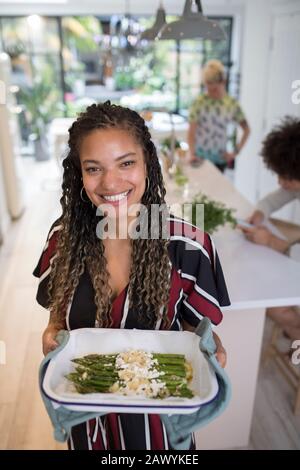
(160, 127)
(257, 277)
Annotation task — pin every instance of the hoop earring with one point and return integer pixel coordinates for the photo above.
(147, 184)
(81, 196)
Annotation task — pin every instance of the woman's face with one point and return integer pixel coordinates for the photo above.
(215, 90)
(113, 169)
(289, 185)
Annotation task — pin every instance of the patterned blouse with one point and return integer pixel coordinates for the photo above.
(216, 120)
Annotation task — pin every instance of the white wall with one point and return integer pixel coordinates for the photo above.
(257, 28)
(265, 95)
(4, 215)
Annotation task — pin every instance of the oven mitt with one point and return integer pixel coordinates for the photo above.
(62, 419)
(180, 427)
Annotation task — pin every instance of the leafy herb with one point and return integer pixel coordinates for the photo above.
(216, 214)
(179, 177)
(167, 144)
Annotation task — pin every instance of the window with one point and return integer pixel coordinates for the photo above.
(62, 64)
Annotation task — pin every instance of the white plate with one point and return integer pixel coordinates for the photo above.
(109, 341)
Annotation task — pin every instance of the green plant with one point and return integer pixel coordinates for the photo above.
(179, 177)
(41, 103)
(216, 214)
(124, 80)
(165, 146)
(166, 143)
(80, 33)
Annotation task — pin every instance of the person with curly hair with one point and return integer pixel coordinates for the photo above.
(281, 154)
(89, 279)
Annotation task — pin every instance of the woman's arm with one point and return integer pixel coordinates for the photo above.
(191, 140)
(246, 131)
(229, 156)
(49, 334)
(262, 236)
(275, 200)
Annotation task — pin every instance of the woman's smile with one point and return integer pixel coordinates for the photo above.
(116, 199)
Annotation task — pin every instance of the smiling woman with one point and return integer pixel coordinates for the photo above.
(142, 282)
(115, 175)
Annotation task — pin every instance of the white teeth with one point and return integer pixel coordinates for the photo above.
(116, 197)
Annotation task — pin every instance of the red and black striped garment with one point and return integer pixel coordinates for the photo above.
(197, 290)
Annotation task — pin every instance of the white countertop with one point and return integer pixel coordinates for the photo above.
(160, 126)
(256, 276)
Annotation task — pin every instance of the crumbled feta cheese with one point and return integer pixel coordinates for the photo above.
(137, 374)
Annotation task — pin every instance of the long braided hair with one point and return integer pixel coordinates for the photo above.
(78, 246)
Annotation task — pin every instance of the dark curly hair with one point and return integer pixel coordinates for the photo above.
(281, 149)
(79, 247)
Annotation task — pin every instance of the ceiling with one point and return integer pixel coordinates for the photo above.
(20, 7)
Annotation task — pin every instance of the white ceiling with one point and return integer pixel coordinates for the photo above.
(19, 7)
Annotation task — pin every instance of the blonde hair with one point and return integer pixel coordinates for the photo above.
(213, 71)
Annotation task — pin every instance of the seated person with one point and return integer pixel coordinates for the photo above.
(281, 154)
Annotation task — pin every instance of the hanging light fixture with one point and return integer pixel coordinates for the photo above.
(129, 28)
(160, 21)
(192, 25)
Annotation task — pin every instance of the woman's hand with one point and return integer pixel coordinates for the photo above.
(49, 343)
(194, 160)
(260, 235)
(229, 156)
(220, 353)
(256, 218)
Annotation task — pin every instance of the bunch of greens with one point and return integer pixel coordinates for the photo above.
(179, 177)
(216, 214)
(97, 373)
(166, 144)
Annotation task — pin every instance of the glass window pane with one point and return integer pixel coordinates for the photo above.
(43, 34)
(194, 53)
(191, 58)
(47, 88)
(15, 35)
(82, 59)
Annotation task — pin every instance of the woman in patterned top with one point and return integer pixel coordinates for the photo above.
(88, 279)
(210, 118)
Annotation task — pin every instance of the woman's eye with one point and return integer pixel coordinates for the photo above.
(128, 163)
(92, 170)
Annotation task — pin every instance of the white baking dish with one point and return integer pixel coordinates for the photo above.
(108, 341)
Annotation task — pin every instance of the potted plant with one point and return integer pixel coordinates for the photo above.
(166, 144)
(216, 214)
(40, 104)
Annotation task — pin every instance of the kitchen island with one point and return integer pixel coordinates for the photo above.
(257, 277)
